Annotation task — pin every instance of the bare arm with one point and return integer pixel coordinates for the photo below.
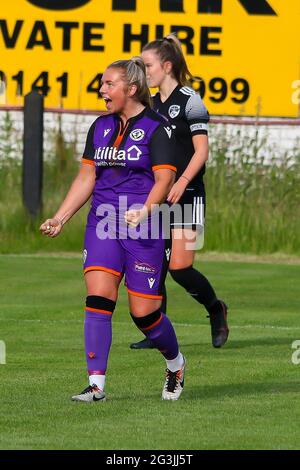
(197, 161)
(79, 192)
(164, 179)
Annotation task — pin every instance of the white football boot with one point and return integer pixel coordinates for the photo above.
(173, 384)
(89, 394)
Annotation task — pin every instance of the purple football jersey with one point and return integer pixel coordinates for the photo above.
(126, 157)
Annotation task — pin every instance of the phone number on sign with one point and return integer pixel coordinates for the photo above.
(215, 90)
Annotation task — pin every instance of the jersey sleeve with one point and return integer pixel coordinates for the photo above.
(196, 115)
(162, 148)
(89, 150)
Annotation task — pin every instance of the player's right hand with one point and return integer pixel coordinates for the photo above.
(134, 217)
(51, 227)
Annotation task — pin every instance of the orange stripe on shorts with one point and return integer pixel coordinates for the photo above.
(146, 296)
(101, 268)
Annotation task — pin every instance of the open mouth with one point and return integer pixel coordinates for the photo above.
(107, 101)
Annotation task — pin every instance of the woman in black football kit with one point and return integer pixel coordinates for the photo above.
(166, 69)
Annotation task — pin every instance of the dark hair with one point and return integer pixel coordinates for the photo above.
(169, 49)
(134, 73)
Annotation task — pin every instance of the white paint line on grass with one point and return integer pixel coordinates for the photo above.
(188, 325)
(279, 258)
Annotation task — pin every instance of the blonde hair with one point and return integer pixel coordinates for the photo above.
(169, 49)
(134, 73)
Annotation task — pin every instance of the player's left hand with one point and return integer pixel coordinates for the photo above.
(134, 217)
(177, 190)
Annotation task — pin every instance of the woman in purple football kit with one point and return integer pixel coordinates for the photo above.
(129, 152)
(166, 69)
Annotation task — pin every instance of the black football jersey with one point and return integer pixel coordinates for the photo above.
(188, 116)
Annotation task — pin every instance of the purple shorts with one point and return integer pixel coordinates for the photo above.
(144, 262)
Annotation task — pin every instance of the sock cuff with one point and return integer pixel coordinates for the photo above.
(182, 270)
(97, 302)
(147, 322)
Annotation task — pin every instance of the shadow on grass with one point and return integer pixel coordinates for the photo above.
(244, 343)
(245, 389)
(218, 391)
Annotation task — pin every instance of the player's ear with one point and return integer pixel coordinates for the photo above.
(132, 90)
(168, 66)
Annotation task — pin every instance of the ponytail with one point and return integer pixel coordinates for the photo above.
(169, 49)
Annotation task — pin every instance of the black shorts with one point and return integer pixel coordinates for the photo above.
(189, 212)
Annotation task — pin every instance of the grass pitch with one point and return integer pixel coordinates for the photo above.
(243, 396)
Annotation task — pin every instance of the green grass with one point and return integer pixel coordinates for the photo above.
(243, 396)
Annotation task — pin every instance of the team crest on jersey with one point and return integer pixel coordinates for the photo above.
(174, 110)
(137, 134)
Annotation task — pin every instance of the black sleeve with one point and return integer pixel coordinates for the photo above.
(162, 148)
(89, 149)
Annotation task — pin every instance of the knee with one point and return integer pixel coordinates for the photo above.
(141, 307)
(103, 291)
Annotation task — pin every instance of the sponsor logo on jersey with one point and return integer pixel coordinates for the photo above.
(174, 110)
(106, 131)
(168, 254)
(151, 281)
(168, 131)
(200, 126)
(137, 134)
(58, 4)
(111, 156)
(84, 255)
(144, 268)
